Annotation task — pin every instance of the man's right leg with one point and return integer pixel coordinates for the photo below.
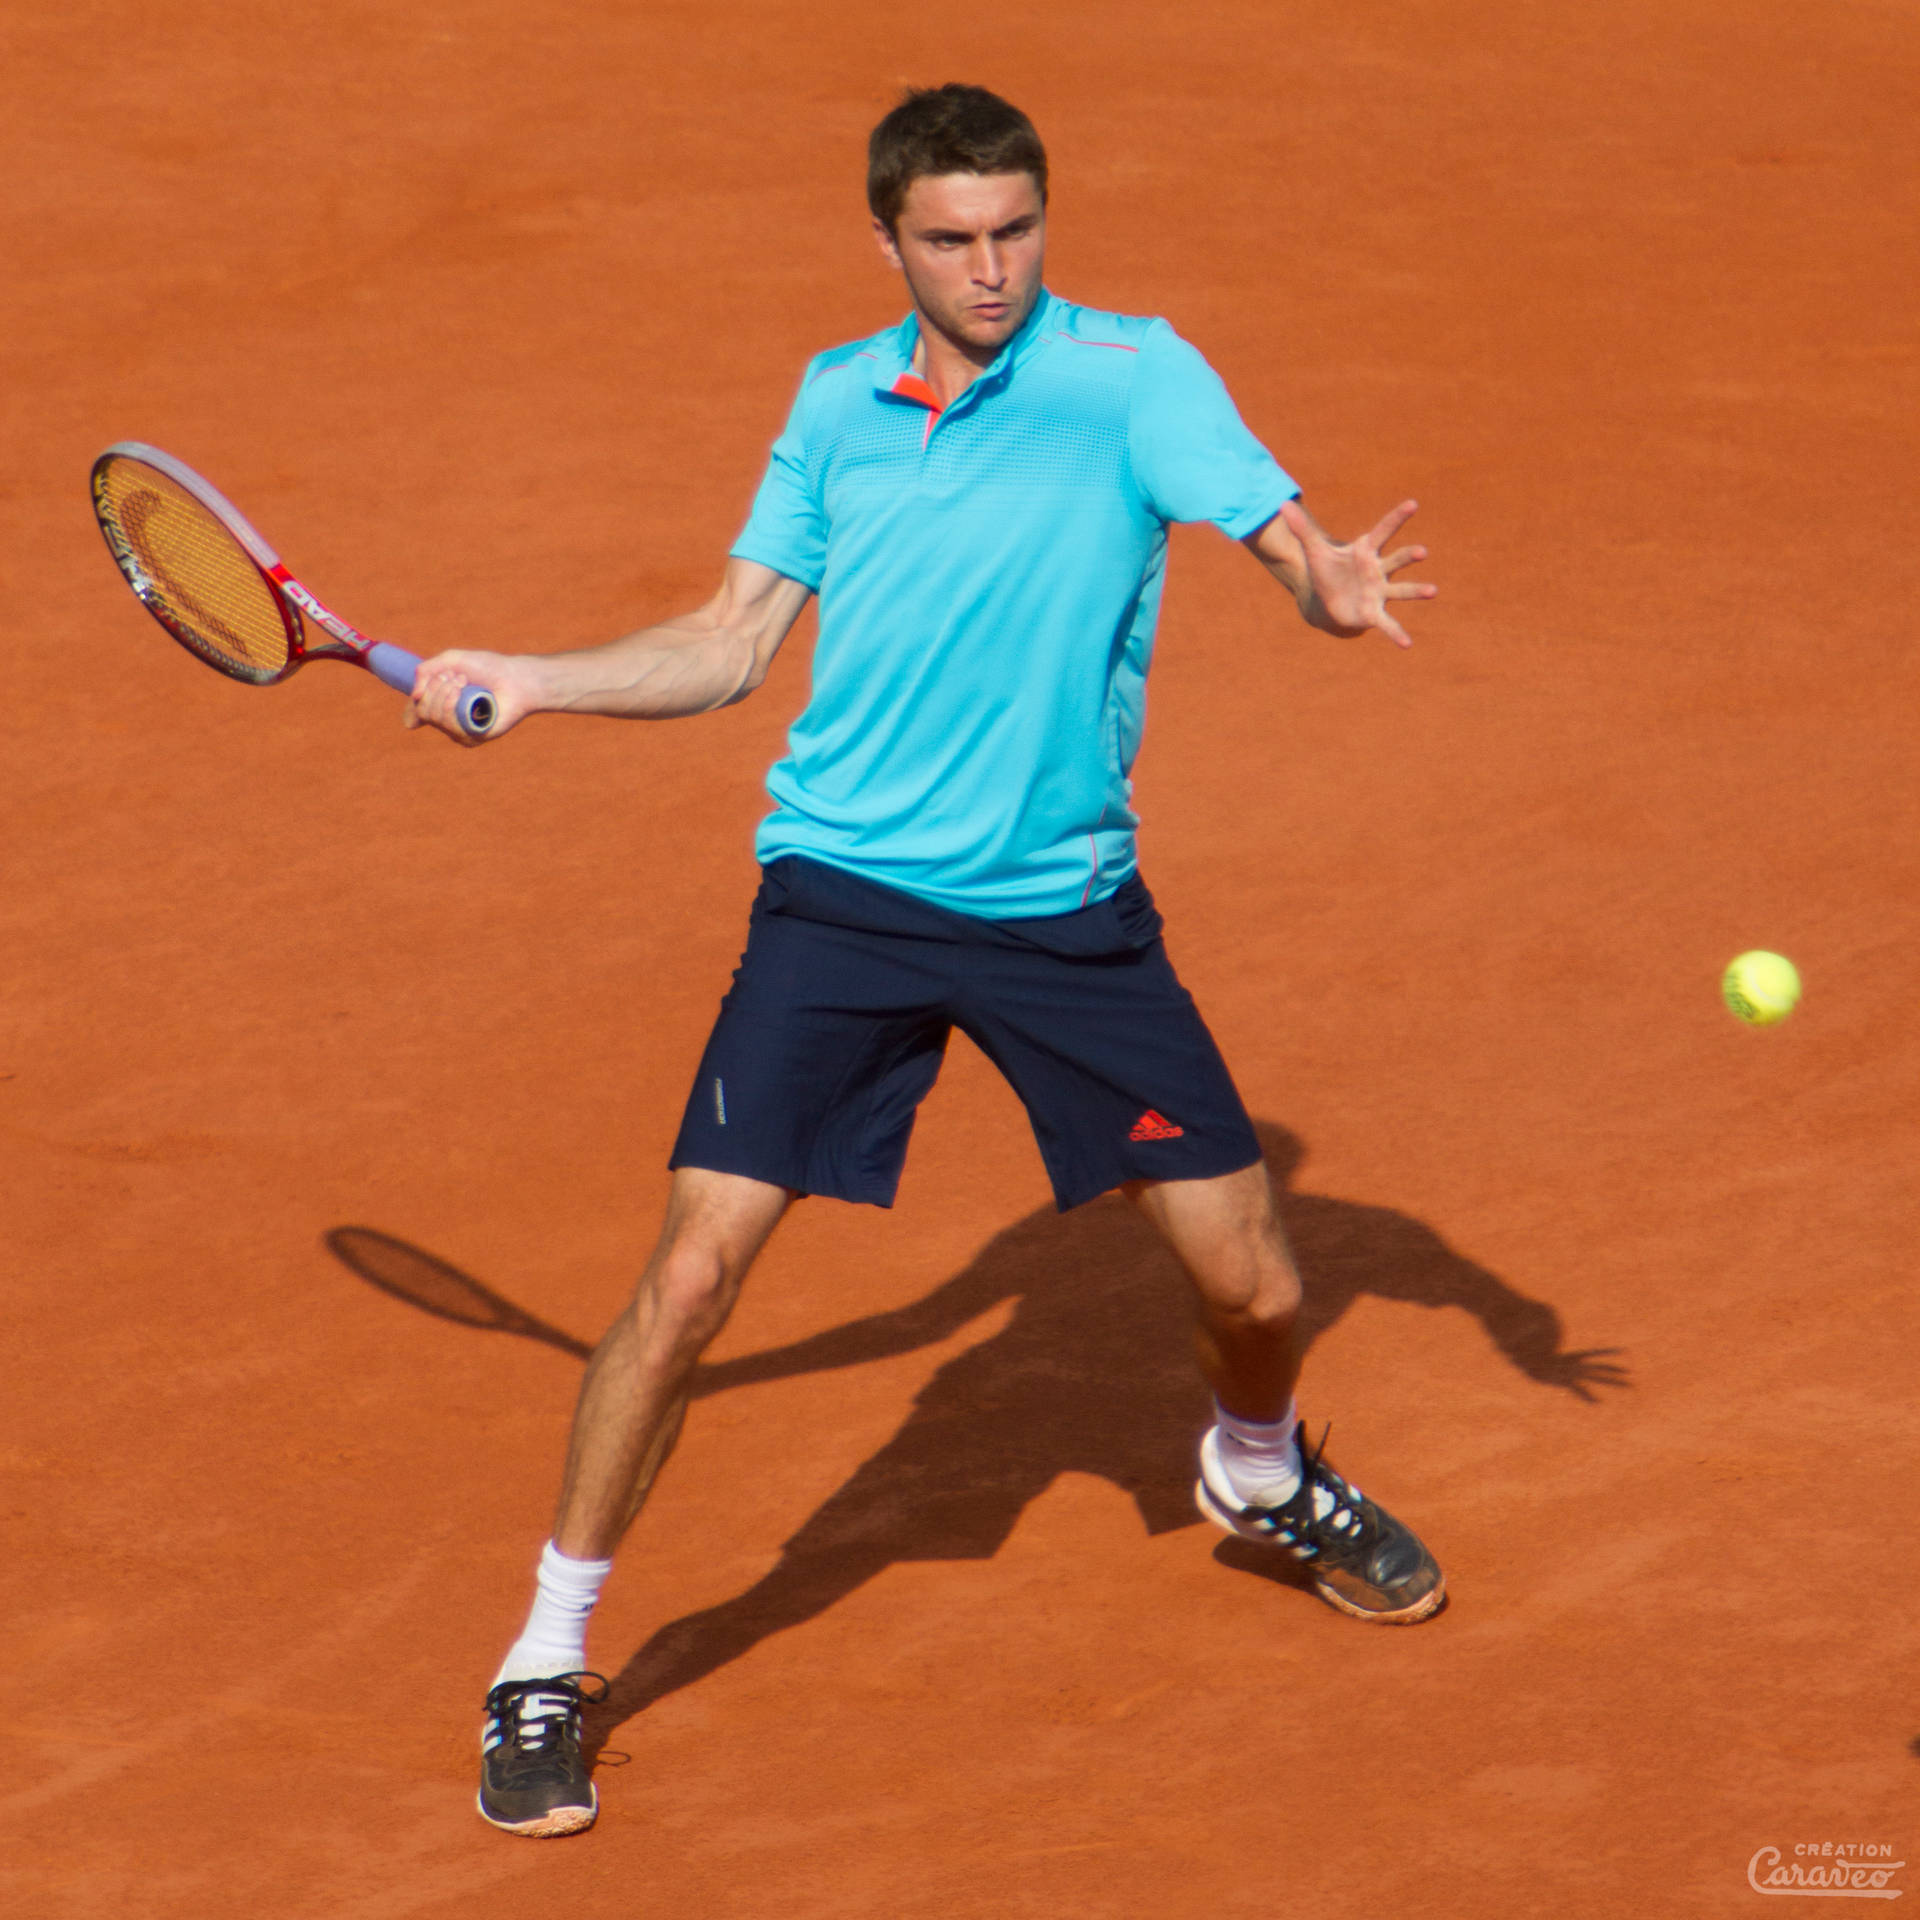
(533, 1780)
(635, 1392)
(827, 1041)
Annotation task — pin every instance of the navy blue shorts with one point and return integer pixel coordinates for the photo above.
(838, 1017)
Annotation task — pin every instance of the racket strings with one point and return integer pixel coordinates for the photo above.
(194, 576)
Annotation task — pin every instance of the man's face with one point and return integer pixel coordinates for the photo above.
(972, 246)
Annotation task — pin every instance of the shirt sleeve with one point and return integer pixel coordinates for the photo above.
(787, 529)
(1192, 455)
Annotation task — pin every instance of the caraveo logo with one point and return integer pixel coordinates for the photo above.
(1827, 1870)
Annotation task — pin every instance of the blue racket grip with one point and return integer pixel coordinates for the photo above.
(398, 668)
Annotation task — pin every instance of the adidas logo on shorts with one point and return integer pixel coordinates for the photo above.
(1154, 1126)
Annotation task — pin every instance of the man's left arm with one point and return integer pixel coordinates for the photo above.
(1344, 587)
(1194, 459)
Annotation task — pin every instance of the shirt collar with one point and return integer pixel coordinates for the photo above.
(896, 357)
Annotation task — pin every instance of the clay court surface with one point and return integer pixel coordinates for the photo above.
(338, 1067)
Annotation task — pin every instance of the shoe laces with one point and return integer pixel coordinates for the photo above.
(1327, 1518)
(535, 1724)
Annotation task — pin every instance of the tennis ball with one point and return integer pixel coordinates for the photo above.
(1761, 988)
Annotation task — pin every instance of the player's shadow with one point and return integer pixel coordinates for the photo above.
(1093, 1373)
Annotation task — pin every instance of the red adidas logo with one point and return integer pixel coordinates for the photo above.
(1154, 1126)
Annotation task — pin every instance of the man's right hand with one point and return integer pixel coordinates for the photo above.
(512, 678)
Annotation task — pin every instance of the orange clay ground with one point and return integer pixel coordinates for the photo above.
(488, 313)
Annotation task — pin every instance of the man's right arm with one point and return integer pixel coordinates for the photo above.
(692, 664)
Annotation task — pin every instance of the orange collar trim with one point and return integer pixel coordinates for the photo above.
(910, 386)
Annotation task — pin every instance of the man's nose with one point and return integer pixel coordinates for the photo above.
(989, 264)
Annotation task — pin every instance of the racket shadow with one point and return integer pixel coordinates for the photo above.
(438, 1287)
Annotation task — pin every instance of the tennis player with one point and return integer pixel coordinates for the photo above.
(980, 498)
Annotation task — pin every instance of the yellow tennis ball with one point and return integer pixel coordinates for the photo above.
(1761, 988)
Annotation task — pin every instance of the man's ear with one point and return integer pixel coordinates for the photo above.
(889, 248)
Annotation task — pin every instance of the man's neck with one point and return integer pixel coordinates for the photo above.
(945, 365)
(949, 367)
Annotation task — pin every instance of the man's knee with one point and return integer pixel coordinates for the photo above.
(1252, 1281)
(1252, 1273)
(1276, 1300)
(690, 1289)
(1228, 1235)
(715, 1225)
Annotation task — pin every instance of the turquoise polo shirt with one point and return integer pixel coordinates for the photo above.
(989, 580)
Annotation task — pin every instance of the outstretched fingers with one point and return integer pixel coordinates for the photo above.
(1353, 580)
(1390, 524)
(1391, 564)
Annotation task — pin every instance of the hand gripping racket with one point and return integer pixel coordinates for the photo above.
(220, 590)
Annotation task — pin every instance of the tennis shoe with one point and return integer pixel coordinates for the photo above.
(1358, 1556)
(533, 1779)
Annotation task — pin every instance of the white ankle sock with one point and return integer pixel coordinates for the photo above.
(554, 1640)
(1260, 1458)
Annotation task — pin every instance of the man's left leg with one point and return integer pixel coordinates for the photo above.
(1254, 1479)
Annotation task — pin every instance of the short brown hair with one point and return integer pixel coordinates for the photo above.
(950, 129)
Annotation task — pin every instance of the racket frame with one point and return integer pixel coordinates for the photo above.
(393, 665)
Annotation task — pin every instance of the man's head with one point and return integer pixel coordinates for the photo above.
(957, 180)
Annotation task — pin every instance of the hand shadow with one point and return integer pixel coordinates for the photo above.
(1093, 1373)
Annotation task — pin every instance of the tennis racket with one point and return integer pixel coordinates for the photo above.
(201, 570)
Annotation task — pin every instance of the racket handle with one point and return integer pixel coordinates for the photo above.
(397, 667)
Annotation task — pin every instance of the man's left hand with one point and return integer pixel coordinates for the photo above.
(1343, 587)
